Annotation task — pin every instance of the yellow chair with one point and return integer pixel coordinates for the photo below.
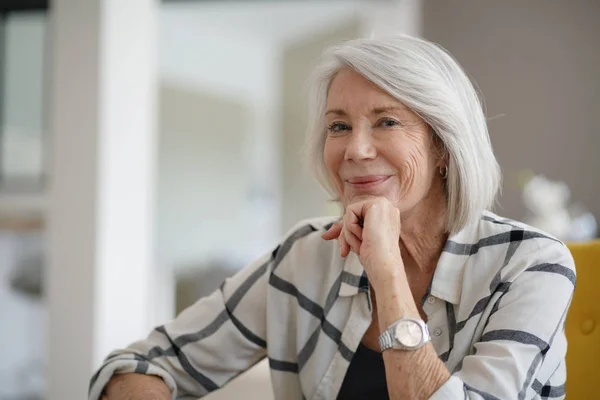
(583, 324)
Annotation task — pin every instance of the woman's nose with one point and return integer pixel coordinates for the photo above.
(360, 145)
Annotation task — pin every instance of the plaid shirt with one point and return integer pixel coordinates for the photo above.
(496, 309)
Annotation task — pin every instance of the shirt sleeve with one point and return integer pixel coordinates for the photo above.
(521, 353)
(207, 345)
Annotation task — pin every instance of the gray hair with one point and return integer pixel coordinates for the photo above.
(425, 78)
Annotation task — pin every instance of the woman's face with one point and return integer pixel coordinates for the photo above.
(376, 146)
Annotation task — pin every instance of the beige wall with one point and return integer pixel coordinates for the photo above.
(536, 62)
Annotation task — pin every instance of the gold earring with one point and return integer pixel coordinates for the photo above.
(444, 172)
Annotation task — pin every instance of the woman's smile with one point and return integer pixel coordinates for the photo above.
(367, 182)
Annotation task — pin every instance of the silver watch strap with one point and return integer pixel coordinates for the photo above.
(386, 340)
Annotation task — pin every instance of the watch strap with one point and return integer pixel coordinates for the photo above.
(386, 339)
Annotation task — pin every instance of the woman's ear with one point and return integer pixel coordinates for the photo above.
(439, 149)
(444, 159)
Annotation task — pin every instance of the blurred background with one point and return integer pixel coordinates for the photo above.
(150, 149)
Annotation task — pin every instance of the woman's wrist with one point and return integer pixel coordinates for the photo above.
(385, 272)
(393, 296)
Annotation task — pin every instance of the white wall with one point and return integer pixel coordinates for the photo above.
(203, 176)
(214, 155)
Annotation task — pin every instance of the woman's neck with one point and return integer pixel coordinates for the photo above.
(423, 231)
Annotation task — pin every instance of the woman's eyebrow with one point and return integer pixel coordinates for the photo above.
(377, 110)
(337, 111)
(384, 109)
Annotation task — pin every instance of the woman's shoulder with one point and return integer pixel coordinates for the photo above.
(509, 231)
(303, 241)
(522, 247)
(305, 263)
(311, 225)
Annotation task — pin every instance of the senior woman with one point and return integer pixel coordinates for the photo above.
(417, 292)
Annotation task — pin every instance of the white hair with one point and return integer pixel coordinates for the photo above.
(425, 78)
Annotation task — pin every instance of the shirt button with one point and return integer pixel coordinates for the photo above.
(431, 299)
(437, 331)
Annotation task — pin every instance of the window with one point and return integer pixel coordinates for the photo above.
(24, 77)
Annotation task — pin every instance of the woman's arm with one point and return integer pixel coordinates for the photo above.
(371, 228)
(410, 374)
(208, 344)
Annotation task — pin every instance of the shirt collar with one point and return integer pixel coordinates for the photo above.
(447, 279)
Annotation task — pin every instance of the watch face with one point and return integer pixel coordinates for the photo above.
(409, 333)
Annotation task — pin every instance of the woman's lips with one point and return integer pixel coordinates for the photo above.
(367, 182)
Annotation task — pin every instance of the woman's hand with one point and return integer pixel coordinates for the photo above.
(136, 386)
(370, 228)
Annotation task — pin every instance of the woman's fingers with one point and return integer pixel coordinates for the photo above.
(350, 222)
(333, 232)
(356, 230)
(354, 222)
(348, 232)
(370, 228)
(344, 246)
(352, 240)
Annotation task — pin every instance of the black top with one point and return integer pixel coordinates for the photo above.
(365, 378)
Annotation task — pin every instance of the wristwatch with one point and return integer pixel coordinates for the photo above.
(405, 334)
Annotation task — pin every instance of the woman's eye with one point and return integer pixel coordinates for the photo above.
(388, 123)
(337, 127)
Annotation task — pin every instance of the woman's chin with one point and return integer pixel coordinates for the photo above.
(393, 198)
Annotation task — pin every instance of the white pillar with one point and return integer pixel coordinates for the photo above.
(101, 202)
